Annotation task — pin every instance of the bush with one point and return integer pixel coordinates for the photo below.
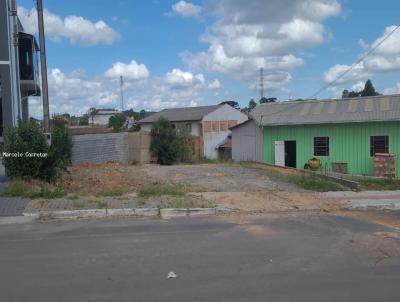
(117, 122)
(163, 142)
(170, 145)
(59, 155)
(28, 138)
(184, 143)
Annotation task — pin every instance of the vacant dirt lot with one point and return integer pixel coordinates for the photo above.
(231, 185)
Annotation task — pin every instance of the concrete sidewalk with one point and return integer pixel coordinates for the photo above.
(368, 200)
(10, 206)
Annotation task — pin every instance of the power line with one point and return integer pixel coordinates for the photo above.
(353, 65)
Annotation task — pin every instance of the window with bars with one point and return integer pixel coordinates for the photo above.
(379, 144)
(321, 146)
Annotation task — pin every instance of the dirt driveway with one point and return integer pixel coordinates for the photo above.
(219, 178)
(232, 185)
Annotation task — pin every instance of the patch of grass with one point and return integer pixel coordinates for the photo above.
(111, 192)
(305, 181)
(160, 190)
(313, 182)
(72, 196)
(379, 184)
(102, 204)
(77, 204)
(19, 188)
(213, 161)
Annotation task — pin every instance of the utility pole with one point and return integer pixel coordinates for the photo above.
(43, 67)
(122, 92)
(261, 82)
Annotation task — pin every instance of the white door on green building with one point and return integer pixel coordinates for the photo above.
(280, 153)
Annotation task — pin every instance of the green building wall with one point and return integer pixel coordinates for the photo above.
(348, 143)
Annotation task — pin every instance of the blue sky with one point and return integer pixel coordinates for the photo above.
(185, 53)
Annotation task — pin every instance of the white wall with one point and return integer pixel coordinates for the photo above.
(212, 139)
(247, 142)
(101, 119)
(146, 127)
(196, 127)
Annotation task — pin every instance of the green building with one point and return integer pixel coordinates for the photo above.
(344, 133)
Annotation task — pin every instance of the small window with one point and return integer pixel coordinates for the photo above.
(379, 144)
(321, 146)
(189, 127)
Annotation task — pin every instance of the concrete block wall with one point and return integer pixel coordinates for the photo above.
(100, 148)
(139, 147)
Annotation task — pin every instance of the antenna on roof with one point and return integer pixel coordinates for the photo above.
(122, 92)
(261, 82)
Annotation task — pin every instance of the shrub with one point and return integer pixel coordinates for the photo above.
(184, 143)
(163, 142)
(29, 138)
(26, 138)
(59, 155)
(117, 122)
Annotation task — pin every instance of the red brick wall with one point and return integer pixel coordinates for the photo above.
(385, 165)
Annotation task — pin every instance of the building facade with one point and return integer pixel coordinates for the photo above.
(345, 135)
(209, 125)
(247, 141)
(102, 116)
(18, 67)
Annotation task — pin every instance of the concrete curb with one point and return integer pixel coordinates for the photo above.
(128, 212)
(376, 205)
(17, 219)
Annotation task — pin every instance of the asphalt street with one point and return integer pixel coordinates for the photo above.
(236, 258)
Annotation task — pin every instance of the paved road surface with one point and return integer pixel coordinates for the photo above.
(269, 258)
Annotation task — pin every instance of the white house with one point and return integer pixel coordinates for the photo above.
(209, 124)
(102, 116)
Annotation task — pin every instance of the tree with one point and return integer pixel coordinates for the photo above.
(163, 142)
(233, 104)
(252, 104)
(117, 122)
(267, 100)
(369, 89)
(84, 120)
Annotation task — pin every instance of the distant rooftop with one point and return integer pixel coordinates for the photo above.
(348, 110)
(180, 114)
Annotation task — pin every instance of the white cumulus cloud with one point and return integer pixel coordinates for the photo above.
(178, 78)
(76, 29)
(248, 35)
(131, 72)
(214, 84)
(186, 9)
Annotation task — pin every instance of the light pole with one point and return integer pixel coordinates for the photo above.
(43, 67)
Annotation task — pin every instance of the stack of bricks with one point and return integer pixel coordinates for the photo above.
(385, 165)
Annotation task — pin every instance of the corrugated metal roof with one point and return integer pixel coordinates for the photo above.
(363, 109)
(180, 114)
